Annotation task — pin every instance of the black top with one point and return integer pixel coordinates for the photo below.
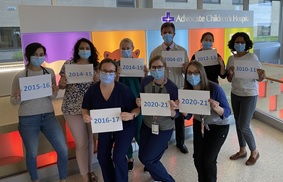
(212, 71)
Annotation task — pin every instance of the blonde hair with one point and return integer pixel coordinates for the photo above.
(128, 41)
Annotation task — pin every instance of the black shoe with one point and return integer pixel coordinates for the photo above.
(183, 149)
(130, 165)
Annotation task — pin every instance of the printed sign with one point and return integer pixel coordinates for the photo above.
(155, 104)
(132, 67)
(79, 73)
(194, 102)
(34, 87)
(174, 58)
(246, 69)
(207, 57)
(106, 120)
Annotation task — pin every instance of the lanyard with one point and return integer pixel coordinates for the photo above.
(202, 125)
(160, 88)
(43, 69)
(154, 118)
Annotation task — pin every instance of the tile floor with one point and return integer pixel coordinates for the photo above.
(269, 167)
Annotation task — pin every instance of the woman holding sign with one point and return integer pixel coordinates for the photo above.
(156, 131)
(107, 93)
(84, 54)
(210, 131)
(244, 93)
(212, 71)
(126, 49)
(37, 114)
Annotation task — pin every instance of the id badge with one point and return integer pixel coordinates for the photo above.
(155, 128)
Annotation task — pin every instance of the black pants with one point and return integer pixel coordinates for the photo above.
(206, 149)
(180, 130)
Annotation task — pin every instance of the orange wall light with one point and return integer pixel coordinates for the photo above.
(110, 40)
(11, 148)
(195, 36)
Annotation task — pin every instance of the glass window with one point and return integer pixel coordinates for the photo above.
(264, 1)
(10, 38)
(222, 5)
(10, 44)
(126, 3)
(238, 2)
(211, 1)
(263, 29)
(266, 20)
(177, 1)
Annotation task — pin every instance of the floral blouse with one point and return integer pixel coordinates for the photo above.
(74, 94)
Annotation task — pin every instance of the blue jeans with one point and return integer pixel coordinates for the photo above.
(29, 127)
(244, 108)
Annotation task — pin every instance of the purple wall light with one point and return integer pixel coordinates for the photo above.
(59, 45)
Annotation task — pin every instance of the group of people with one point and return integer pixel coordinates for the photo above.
(109, 90)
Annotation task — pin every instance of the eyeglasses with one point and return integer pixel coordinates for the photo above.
(159, 68)
(193, 73)
(108, 72)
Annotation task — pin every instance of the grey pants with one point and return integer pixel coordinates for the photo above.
(243, 108)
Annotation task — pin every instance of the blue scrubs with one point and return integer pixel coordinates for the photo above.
(152, 147)
(114, 169)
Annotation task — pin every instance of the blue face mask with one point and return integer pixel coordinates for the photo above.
(157, 74)
(107, 78)
(84, 54)
(168, 38)
(127, 53)
(206, 45)
(37, 61)
(239, 47)
(193, 79)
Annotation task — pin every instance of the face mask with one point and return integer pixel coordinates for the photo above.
(106, 78)
(168, 38)
(157, 74)
(127, 53)
(239, 47)
(36, 61)
(84, 54)
(193, 79)
(206, 45)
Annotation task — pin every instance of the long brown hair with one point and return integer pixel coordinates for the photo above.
(204, 81)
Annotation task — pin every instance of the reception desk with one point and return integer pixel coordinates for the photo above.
(12, 153)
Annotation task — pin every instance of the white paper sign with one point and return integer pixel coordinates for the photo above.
(106, 120)
(246, 69)
(174, 58)
(132, 67)
(34, 87)
(194, 101)
(155, 104)
(79, 73)
(207, 57)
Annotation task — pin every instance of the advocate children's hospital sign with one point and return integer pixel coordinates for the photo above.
(206, 17)
(62, 18)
